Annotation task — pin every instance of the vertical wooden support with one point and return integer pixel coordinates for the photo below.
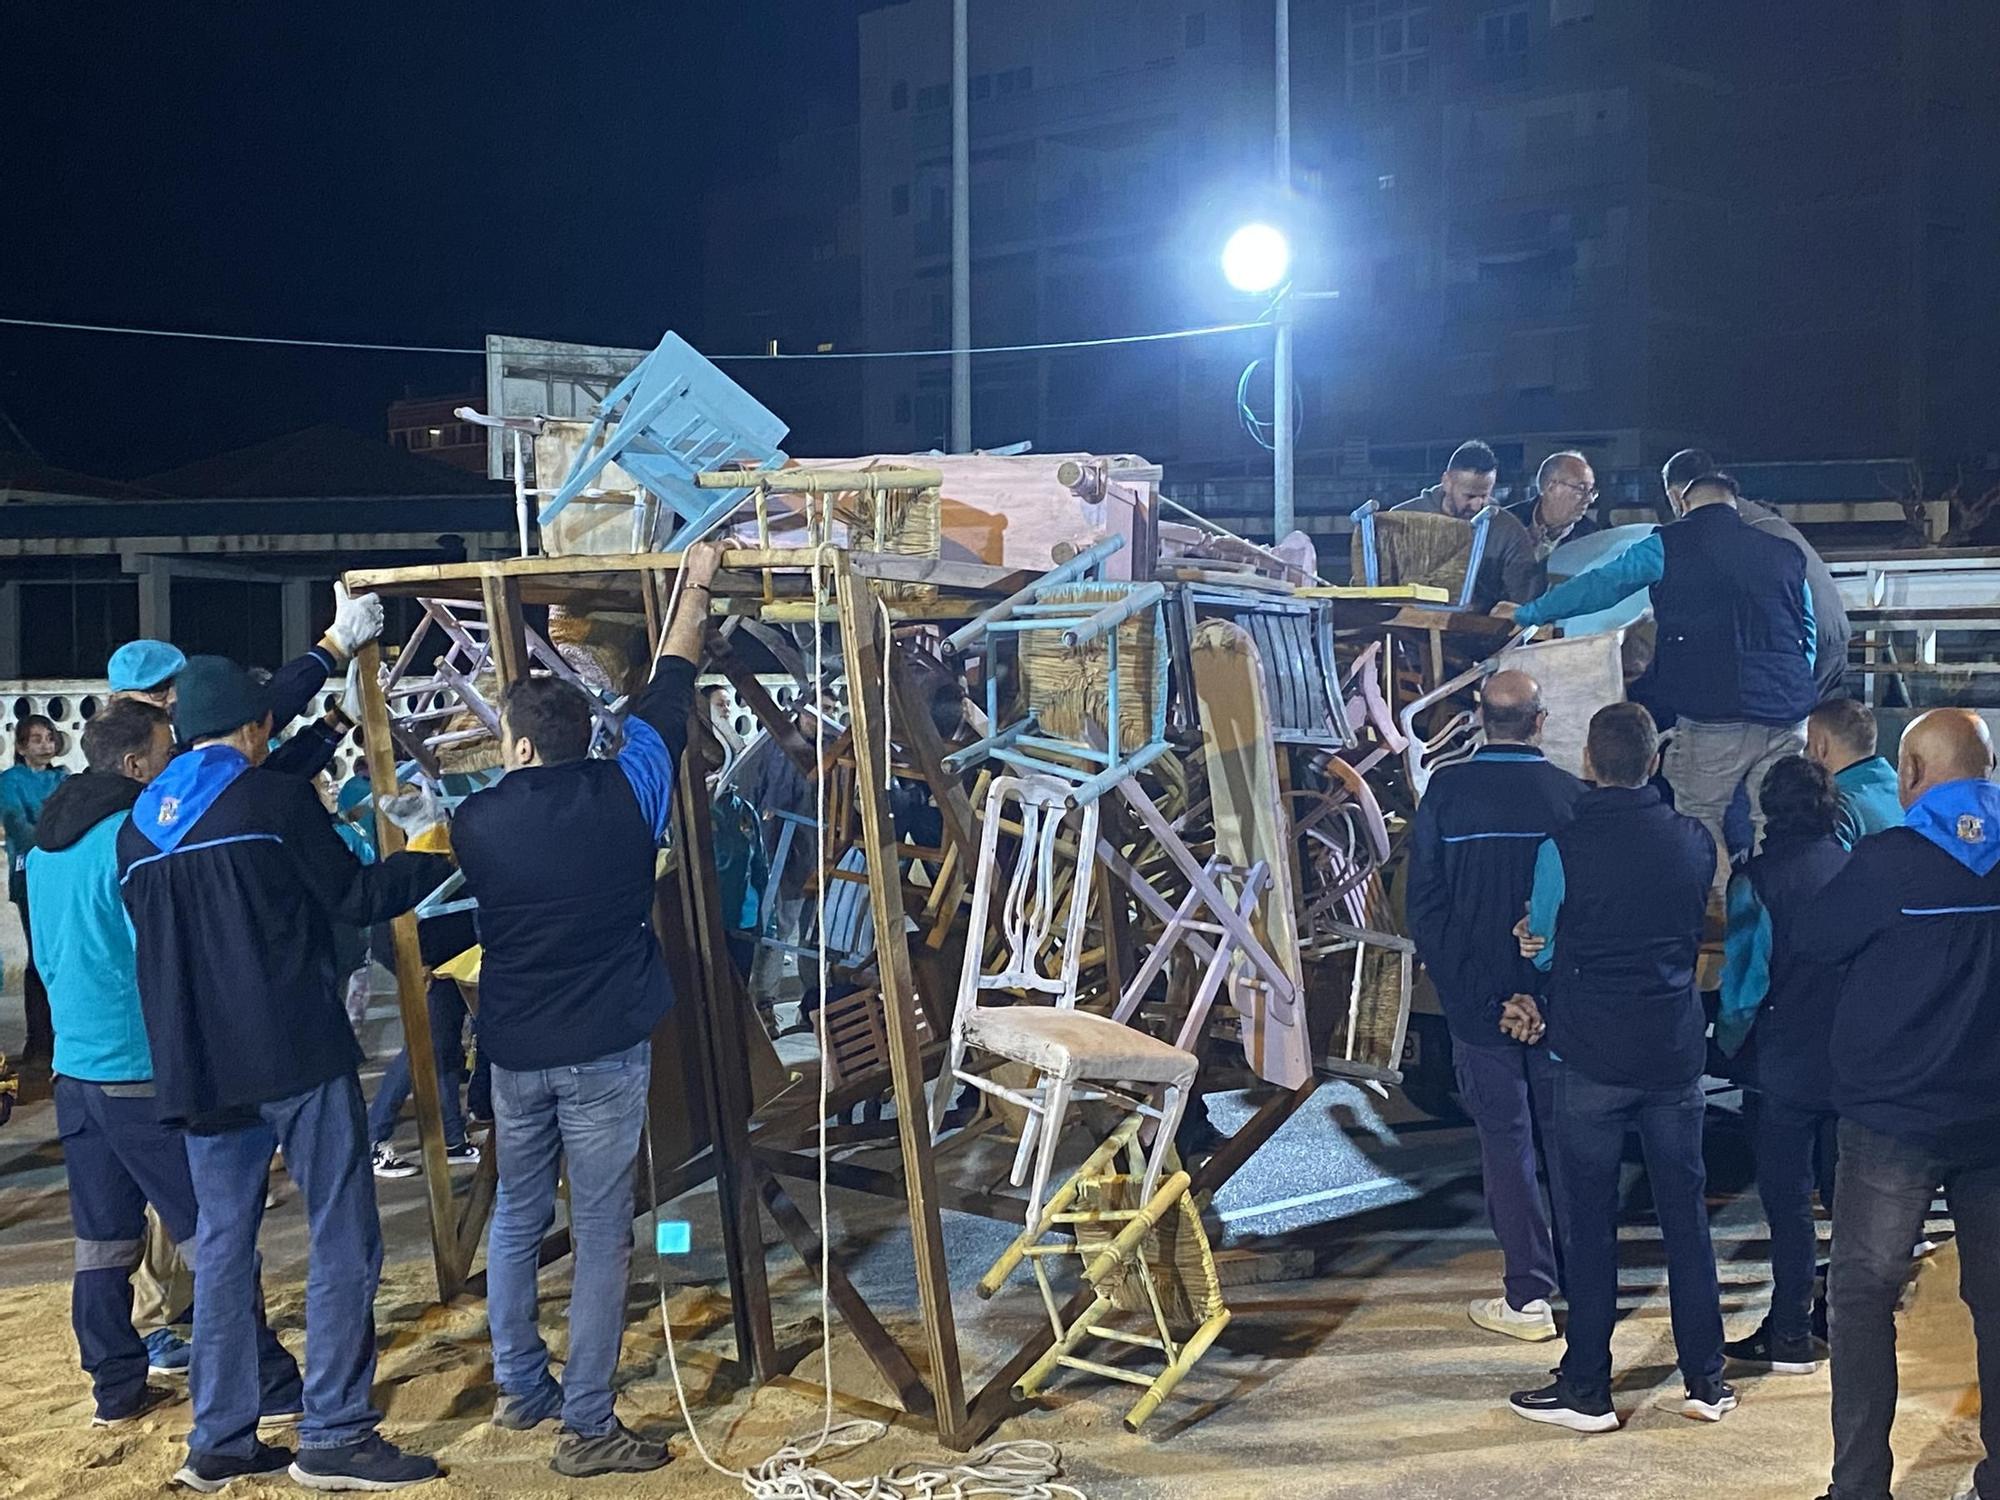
(862, 650)
(507, 632)
(717, 1013)
(445, 1248)
(718, 1022)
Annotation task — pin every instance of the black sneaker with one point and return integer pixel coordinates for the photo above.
(374, 1463)
(619, 1451)
(464, 1154)
(1710, 1403)
(390, 1166)
(1559, 1406)
(1760, 1351)
(150, 1399)
(208, 1473)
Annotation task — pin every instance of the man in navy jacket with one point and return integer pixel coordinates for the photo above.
(1472, 866)
(561, 856)
(1736, 645)
(1914, 918)
(233, 876)
(1616, 918)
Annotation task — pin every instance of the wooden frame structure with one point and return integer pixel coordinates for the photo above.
(750, 1161)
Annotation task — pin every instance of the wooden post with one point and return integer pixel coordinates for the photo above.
(862, 650)
(507, 632)
(445, 1247)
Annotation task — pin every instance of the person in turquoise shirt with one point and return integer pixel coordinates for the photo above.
(1840, 735)
(24, 787)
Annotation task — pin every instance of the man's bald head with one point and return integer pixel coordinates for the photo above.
(1946, 744)
(1510, 708)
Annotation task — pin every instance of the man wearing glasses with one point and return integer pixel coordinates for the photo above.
(1558, 510)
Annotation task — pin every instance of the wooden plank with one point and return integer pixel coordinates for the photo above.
(717, 1015)
(856, 1178)
(862, 650)
(507, 631)
(622, 570)
(447, 1260)
(876, 1341)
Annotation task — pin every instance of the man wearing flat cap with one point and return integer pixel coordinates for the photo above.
(233, 877)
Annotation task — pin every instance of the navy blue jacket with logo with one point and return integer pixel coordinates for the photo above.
(561, 860)
(1472, 866)
(233, 877)
(1777, 994)
(1621, 894)
(1914, 921)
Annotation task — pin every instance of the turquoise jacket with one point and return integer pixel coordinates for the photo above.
(1868, 800)
(23, 791)
(84, 949)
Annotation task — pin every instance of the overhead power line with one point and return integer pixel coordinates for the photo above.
(245, 338)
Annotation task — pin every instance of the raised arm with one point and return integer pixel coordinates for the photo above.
(1639, 566)
(656, 723)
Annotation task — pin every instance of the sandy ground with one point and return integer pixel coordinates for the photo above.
(1363, 1379)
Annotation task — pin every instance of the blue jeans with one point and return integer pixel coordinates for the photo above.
(1592, 1119)
(1795, 1155)
(447, 1014)
(587, 1118)
(1886, 1186)
(1508, 1091)
(325, 1138)
(119, 1158)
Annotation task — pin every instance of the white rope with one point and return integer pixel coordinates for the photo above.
(1018, 1469)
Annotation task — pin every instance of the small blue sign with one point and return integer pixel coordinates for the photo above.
(673, 1237)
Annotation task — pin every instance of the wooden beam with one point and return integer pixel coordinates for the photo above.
(717, 1017)
(862, 650)
(876, 1341)
(507, 632)
(447, 1257)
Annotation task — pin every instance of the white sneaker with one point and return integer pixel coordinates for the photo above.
(1534, 1324)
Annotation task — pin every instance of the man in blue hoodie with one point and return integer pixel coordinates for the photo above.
(234, 877)
(1840, 735)
(118, 1154)
(1914, 918)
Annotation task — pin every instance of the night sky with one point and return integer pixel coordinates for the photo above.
(415, 172)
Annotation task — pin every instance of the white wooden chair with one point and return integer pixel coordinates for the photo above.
(1075, 1054)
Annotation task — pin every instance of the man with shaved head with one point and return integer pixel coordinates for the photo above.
(1914, 918)
(1472, 864)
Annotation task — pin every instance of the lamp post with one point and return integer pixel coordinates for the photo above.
(1258, 259)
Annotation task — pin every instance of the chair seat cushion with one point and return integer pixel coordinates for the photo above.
(1078, 1043)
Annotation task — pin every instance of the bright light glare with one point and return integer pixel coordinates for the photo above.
(1256, 258)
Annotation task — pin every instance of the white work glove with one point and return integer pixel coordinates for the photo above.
(413, 809)
(350, 697)
(356, 621)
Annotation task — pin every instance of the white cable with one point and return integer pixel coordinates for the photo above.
(525, 358)
(1016, 1469)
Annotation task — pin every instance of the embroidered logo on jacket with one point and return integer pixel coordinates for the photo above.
(170, 811)
(1971, 828)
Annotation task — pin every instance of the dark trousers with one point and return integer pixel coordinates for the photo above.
(119, 1158)
(1886, 1186)
(1592, 1119)
(446, 1005)
(40, 1044)
(1509, 1092)
(325, 1135)
(1796, 1151)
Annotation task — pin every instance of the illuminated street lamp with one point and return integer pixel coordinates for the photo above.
(1257, 258)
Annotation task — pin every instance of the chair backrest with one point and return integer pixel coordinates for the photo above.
(1408, 546)
(1041, 890)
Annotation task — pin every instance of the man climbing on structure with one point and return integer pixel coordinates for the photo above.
(561, 857)
(1735, 657)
